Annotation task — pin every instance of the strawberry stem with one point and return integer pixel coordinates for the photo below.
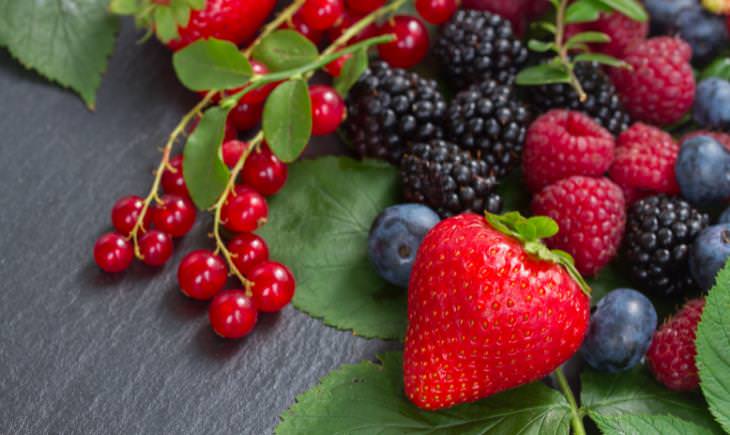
(576, 420)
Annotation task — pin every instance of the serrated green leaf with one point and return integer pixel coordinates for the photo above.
(542, 74)
(181, 11)
(211, 64)
(719, 68)
(285, 49)
(630, 8)
(287, 119)
(636, 392)
(582, 12)
(165, 24)
(124, 7)
(646, 425)
(713, 349)
(367, 398)
(206, 176)
(351, 72)
(66, 41)
(600, 58)
(318, 225)
(587, 37)
(540, 46)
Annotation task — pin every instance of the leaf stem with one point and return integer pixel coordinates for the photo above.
(364, 22)
(164, 164)
(563, 50)
(576, 420)
(283, 17)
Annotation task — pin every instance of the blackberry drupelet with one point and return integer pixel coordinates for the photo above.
(488, 120)
(389, 108)
(659, 234)
(603, 103)
(448, 179)
(475, 45)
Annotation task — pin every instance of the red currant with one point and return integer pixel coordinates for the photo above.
(250, 250)
(258, 96)
(411, 41)
(300, 26)
(232, 151)
(273, 286)
(436, 11)
(328, 109)
(322, 14)
(201, 274)
(264, 172)
(232, 314)
(175, 216)
(126, 212)
(244, 210)
(113, 252)
(364, 6)
(156, 248)
(334, 68)
(246, 116)
(173, 182)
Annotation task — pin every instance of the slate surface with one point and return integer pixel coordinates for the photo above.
(85, 352)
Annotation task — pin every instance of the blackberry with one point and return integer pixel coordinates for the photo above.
(448, 179)
(474, 45)
(603, 103)
(659, 234)
(488, 120)
(388, 108)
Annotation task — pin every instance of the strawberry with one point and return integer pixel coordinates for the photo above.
(489, 308)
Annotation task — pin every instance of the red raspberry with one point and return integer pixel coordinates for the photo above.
(644, 164)
(562, 143)
(671, 355)
(723, 138)
(623, 31)
(591, 215)
(660, 86)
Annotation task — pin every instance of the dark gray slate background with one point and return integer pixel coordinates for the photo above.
(86, 352)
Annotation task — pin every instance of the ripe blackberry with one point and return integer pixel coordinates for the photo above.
(389, 108)
(659, 234)
(475, 45)
(603, 102)
(448, 179)
(488, 120)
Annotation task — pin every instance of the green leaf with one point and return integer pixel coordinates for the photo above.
(588, 37)
(287, 119)
(181, 11)
(206, 176)
(124, 7)
(165, 24)
(351, 72)
(548, 27)
(713, 349)
(367, 398)
(600, 58)
(211, 64)
(719, 68)
(285, 49)
(66, 41)
(196, 4)
(544, 226)
(540, 46)
(542, 74)
(582, 12)
(630, 8)
(636, 392)
(318, 226)
(647, 425)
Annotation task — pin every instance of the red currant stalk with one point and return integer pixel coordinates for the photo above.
(359, 26)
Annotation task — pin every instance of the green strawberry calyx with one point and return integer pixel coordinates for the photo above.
(530, 232)
(163, 17)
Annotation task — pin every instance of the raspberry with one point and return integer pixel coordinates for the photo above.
(562, 143)
(591, 215)
(671, 355)
(723, 138)
(660, 87)
(623, 31)
(644, 164)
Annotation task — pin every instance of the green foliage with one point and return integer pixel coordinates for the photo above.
(287, 119)
(351, 72)
(206, 176)
(647, 425)
(318, 225)
(719, 68)
(285, 49)
(66, 41)
(163, 19)
(211, 65)
(546, 73)
(368, 398)
(713, 349)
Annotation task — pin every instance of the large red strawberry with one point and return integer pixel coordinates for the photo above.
(489, 308)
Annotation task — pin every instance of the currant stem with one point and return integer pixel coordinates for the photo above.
(563, 51)
(164, 164)
(359, 26)
(576, 420)
(283, 17)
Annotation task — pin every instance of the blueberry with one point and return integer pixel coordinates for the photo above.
(703, 171)
(394, 239)
(709, 253)
(620, 331)
(724, 217)
(705, 32)
(712, 103)
(664, 13)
